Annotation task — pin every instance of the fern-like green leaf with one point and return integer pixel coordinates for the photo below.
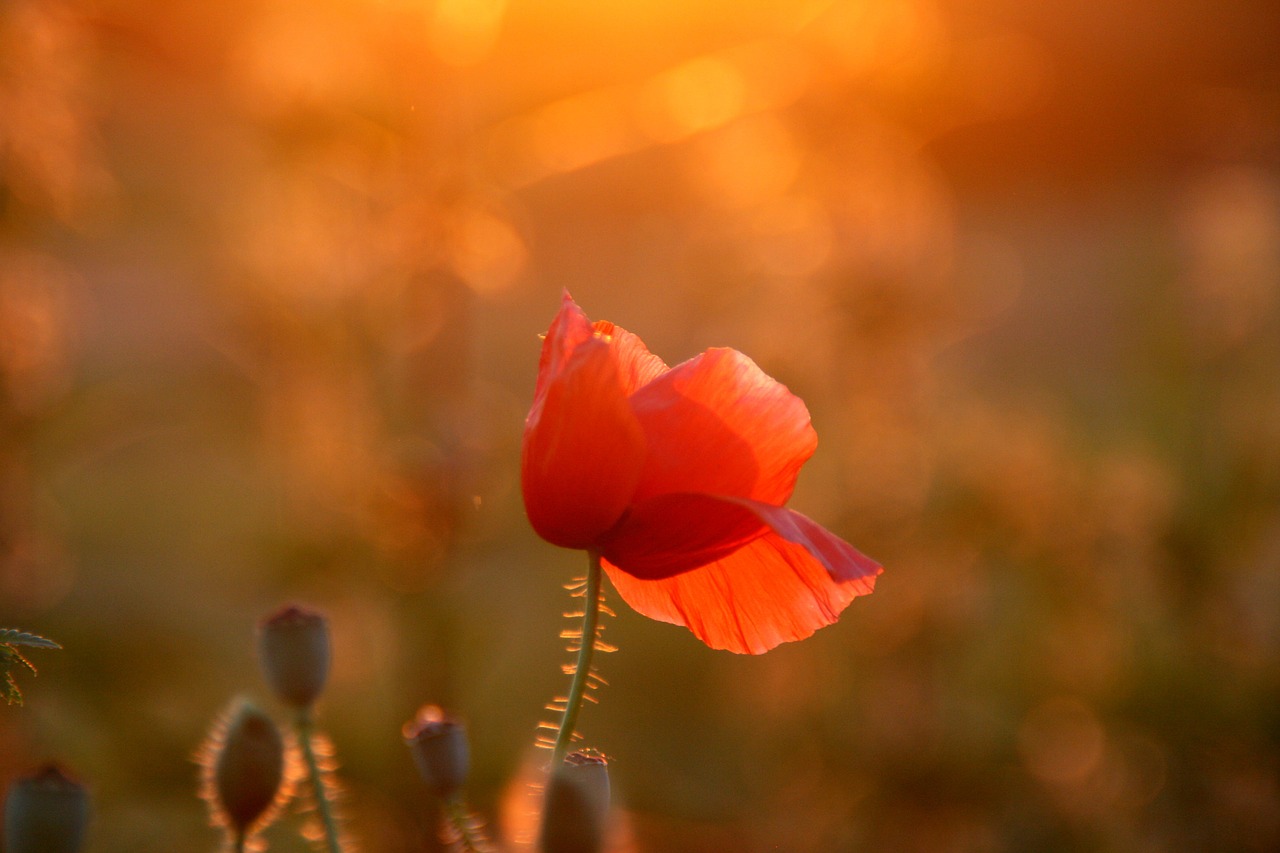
(10, 657)
(14, 637)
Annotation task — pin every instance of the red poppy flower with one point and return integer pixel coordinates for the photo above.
(677, 478)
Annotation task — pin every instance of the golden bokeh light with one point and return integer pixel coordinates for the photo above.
(579, 131)
(750, 162)
(902, 45)
(696, 96)
(1232, 221)
(488, 252)
(463, 31)
(271, 278)
(1062, 741)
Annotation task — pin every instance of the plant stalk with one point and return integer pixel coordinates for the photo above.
(305, 727)
(468, 837)
(578, 686)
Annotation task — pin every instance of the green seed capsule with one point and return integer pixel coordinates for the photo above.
(439, 748)
(46, 812)
(576, 809)
(293, 649)
(244, 770)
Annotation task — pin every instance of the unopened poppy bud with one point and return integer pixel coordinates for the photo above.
(244, 769)
(293, 647)
(440, 751)
(576, 808)
(46, 812)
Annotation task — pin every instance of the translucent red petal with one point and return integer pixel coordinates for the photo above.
(637, 366)
(569, 328)
(670, 534)
(777, 588)
(718, 425)
(583, 449)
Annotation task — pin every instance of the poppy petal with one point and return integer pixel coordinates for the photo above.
(717, 424)
(636, 365)
(583, 449)
(777, 588)
(569, 328)
(843, 561)
(670, 534)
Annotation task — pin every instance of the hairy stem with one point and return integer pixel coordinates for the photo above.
(581, 672)
(468, 837)
(305, 727)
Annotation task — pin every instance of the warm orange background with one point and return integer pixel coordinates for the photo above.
(271, 275)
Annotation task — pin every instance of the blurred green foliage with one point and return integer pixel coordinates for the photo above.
(271, 276)
(11, 657)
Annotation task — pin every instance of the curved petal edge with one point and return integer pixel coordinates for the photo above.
(582, 451)
(778, 588)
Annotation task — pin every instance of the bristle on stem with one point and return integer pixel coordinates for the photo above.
(582, 642)
(463, 831)
(319, 761)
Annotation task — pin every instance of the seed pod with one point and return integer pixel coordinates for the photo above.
(46, 812)
(440, 750)
(244, 775)
(576, 808)
(293, 649)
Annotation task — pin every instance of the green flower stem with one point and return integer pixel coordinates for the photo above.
(578, 687)
(305, 727)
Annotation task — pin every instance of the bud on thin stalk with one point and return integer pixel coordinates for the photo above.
(438, 744)
(245, 779)
(293, 649)
(439, 748)
(46, 812)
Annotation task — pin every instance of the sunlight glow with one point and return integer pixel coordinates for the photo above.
(1062, 740)
(698, 95)
(463, 31)
(487, 252)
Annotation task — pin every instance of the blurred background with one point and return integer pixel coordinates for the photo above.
(271, 279)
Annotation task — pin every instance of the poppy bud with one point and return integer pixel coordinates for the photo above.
(440, 750)
(293, 648)
(46, 812)
(576, 808)
(244, 769)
